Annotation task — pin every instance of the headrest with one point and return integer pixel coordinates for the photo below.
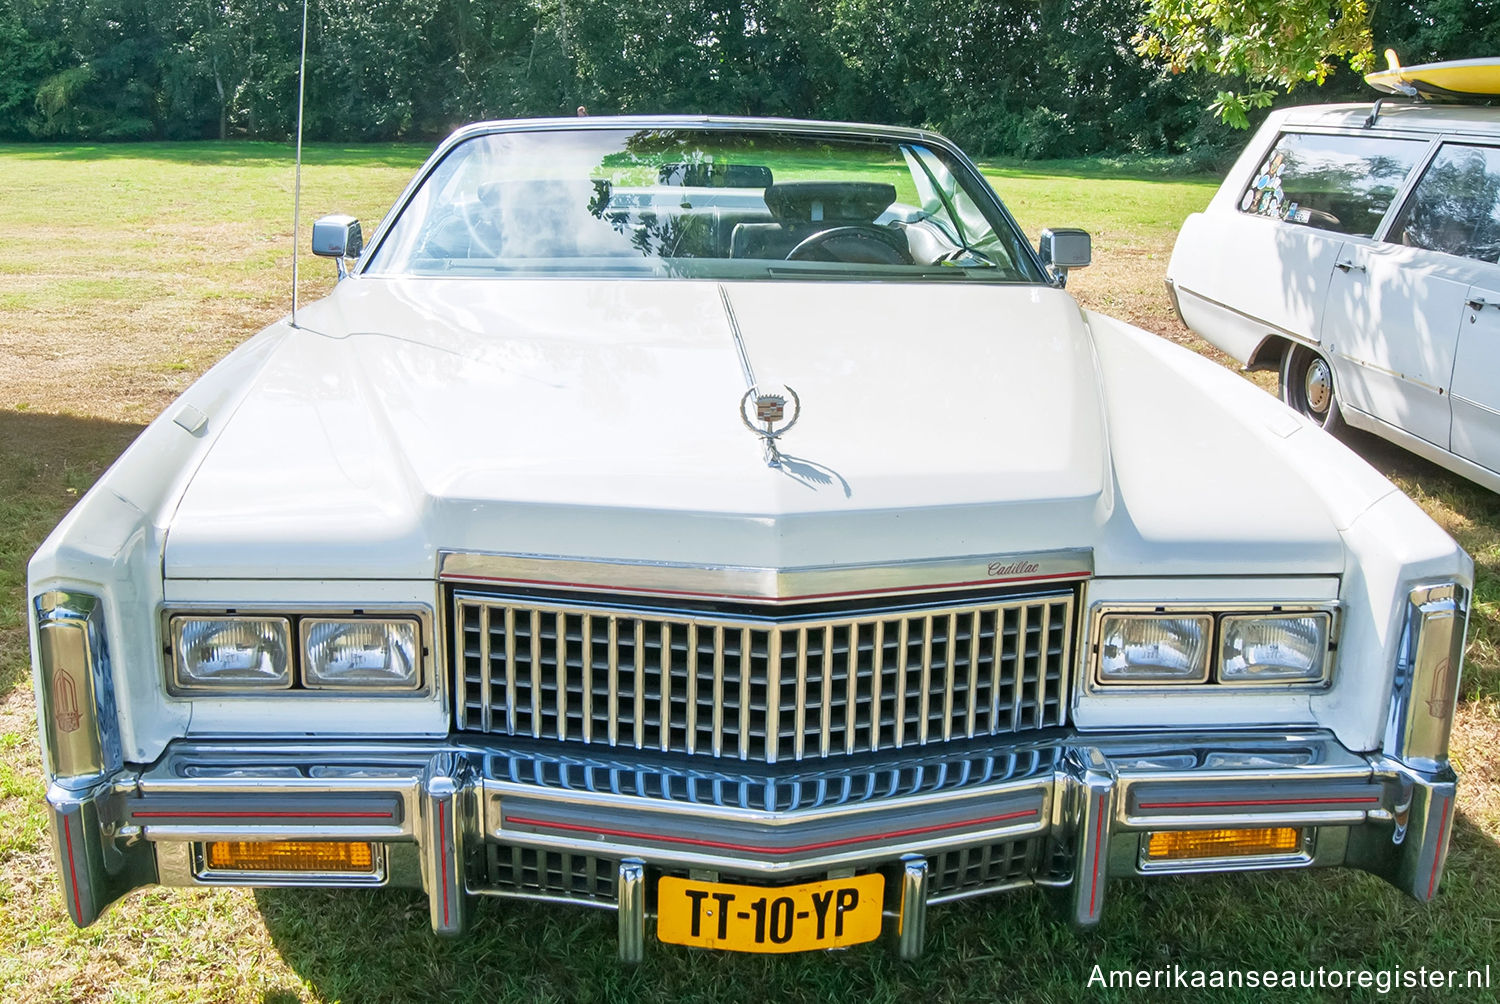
(815, 201)
(714, 175)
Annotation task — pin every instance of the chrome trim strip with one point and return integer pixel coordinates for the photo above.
(1274, 328)
(765, 585)
(1385, 371)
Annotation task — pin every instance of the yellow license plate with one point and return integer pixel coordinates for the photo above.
(748, 918)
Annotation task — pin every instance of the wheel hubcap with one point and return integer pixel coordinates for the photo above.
(1319, 387)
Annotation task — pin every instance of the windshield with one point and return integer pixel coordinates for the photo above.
(703, 203)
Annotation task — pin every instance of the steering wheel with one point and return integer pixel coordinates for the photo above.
(857, 244)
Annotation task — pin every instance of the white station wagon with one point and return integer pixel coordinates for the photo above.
(733, 523)
(1357, 251)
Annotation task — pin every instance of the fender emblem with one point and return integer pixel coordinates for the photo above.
(65, 702)
(1440, 697)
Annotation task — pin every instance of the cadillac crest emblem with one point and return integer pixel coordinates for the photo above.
(770, 410)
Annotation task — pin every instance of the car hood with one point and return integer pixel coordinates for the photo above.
(601, 419)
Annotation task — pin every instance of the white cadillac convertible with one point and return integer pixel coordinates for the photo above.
(734, 524)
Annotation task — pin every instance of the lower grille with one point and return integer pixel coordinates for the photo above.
(968, 871)
(760, 689)
(543, 874)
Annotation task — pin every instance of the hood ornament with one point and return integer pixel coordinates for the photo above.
(769, 409)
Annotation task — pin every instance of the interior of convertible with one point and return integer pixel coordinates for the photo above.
(703, 203)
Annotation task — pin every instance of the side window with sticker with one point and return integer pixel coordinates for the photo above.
(1341, 183)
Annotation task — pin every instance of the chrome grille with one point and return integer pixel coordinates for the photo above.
(967, 871)
(530, 872)
(760, 689)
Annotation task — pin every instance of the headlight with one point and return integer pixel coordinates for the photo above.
(1145, 648)
(360, 654)
(1273, 649)
(232, 653)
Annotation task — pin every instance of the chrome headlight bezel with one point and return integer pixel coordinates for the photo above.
(297, 617)
(1218, 613)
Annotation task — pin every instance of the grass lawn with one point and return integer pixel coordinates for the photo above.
(126, 270)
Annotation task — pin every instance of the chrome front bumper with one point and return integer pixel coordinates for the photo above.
(459, 820)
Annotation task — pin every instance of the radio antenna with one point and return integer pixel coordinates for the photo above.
(297, 186)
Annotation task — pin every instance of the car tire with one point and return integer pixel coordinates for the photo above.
(1307, 388)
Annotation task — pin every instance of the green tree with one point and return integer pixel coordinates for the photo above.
(1267, 44)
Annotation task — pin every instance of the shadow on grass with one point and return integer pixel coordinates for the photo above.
(358, 946)
(46, 463)
(242, 153)
(1477, 530)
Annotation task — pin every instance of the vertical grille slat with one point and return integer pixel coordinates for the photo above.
(762, 690)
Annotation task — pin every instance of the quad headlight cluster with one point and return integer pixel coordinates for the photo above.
(1161, 648)
(252, 653)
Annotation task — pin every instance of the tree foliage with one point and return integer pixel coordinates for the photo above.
(1267, 44)
(1029, 78)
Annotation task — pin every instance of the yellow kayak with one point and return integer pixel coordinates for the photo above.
(1456, 80)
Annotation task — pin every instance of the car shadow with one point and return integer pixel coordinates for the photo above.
(363, 945)
(46, 463)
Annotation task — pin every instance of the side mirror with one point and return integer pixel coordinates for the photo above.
(1063, 248)
(338, 237)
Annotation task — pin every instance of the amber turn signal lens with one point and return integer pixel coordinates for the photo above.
(291, 856)
(1189, 844)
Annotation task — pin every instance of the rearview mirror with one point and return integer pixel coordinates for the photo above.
(1063, 248)
(339, 237)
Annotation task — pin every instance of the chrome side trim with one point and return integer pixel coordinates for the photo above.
(1385, 371)
(1174, 291)
(80, 731)
(765, 585)
(1428, 668)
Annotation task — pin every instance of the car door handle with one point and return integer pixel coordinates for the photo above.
(1476, 304)
(1348, 266)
